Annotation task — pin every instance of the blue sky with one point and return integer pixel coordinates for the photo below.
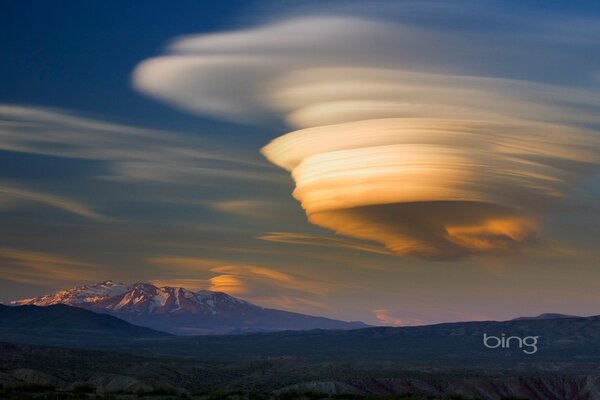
(119, 160)
(59, 55)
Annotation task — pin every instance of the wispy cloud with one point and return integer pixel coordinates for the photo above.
(254, 208)
(133, 154)
(322, 240)
(40, 268)
(18, 195)
(390, 317)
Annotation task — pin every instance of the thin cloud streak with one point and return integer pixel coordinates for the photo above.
(134, 154)
(322, 240)
(17, 195)
(39, 268)
(389, 317)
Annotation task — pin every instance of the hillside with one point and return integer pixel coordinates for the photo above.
(62, 324)
(183, 312)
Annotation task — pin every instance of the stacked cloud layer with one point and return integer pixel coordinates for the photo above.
(430, 164)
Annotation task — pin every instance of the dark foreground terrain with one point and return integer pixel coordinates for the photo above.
(446, 361)
(40, 372)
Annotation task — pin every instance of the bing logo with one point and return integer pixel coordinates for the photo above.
(528, 343)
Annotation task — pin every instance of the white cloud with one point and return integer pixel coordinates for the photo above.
(410, 136)
(133, 153)
(19, 195)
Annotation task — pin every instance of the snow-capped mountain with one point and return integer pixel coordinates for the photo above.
(77, 296)
(182, 311)
(139, 298)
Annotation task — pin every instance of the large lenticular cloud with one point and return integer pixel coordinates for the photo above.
(430, 164)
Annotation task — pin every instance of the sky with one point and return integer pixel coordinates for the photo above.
(399, 163)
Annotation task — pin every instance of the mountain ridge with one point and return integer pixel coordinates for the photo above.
(546, 316)
(60, 323)
(184, 312)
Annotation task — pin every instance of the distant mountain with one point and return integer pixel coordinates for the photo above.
(62, 323)
(436, 361)
(546, 316)
(562, 340)
(182, 311)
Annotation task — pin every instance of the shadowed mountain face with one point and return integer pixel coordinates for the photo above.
(61, 324)
(182, 311)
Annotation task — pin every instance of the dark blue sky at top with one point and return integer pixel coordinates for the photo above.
(79, 55)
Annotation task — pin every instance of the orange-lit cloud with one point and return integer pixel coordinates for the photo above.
(39, 268)
(388, 317)
(431, 187)
(428, 161)
(229, 284)
(259, 284)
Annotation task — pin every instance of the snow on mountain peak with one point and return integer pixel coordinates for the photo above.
(183, 311)
(139, 298)
(77, 295)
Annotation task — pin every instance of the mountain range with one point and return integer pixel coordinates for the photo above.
(69, 347)
(181, 311)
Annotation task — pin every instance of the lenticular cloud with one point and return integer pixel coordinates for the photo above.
(431, 164)
(434, 188)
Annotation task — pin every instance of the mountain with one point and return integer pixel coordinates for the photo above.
(77, 295)
(184, 312)
(63, 324)
(546, 316)
(574, 340)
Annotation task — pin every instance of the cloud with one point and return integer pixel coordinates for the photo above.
(229, 284)
(39, 268)
(185, 264)
(19, 195)
(229, 69)
(259, 284)
(390, 317)
(191, 284)
(400, 139)
(132, 153)
(322, 240)
(198, 271)
(253, 208)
